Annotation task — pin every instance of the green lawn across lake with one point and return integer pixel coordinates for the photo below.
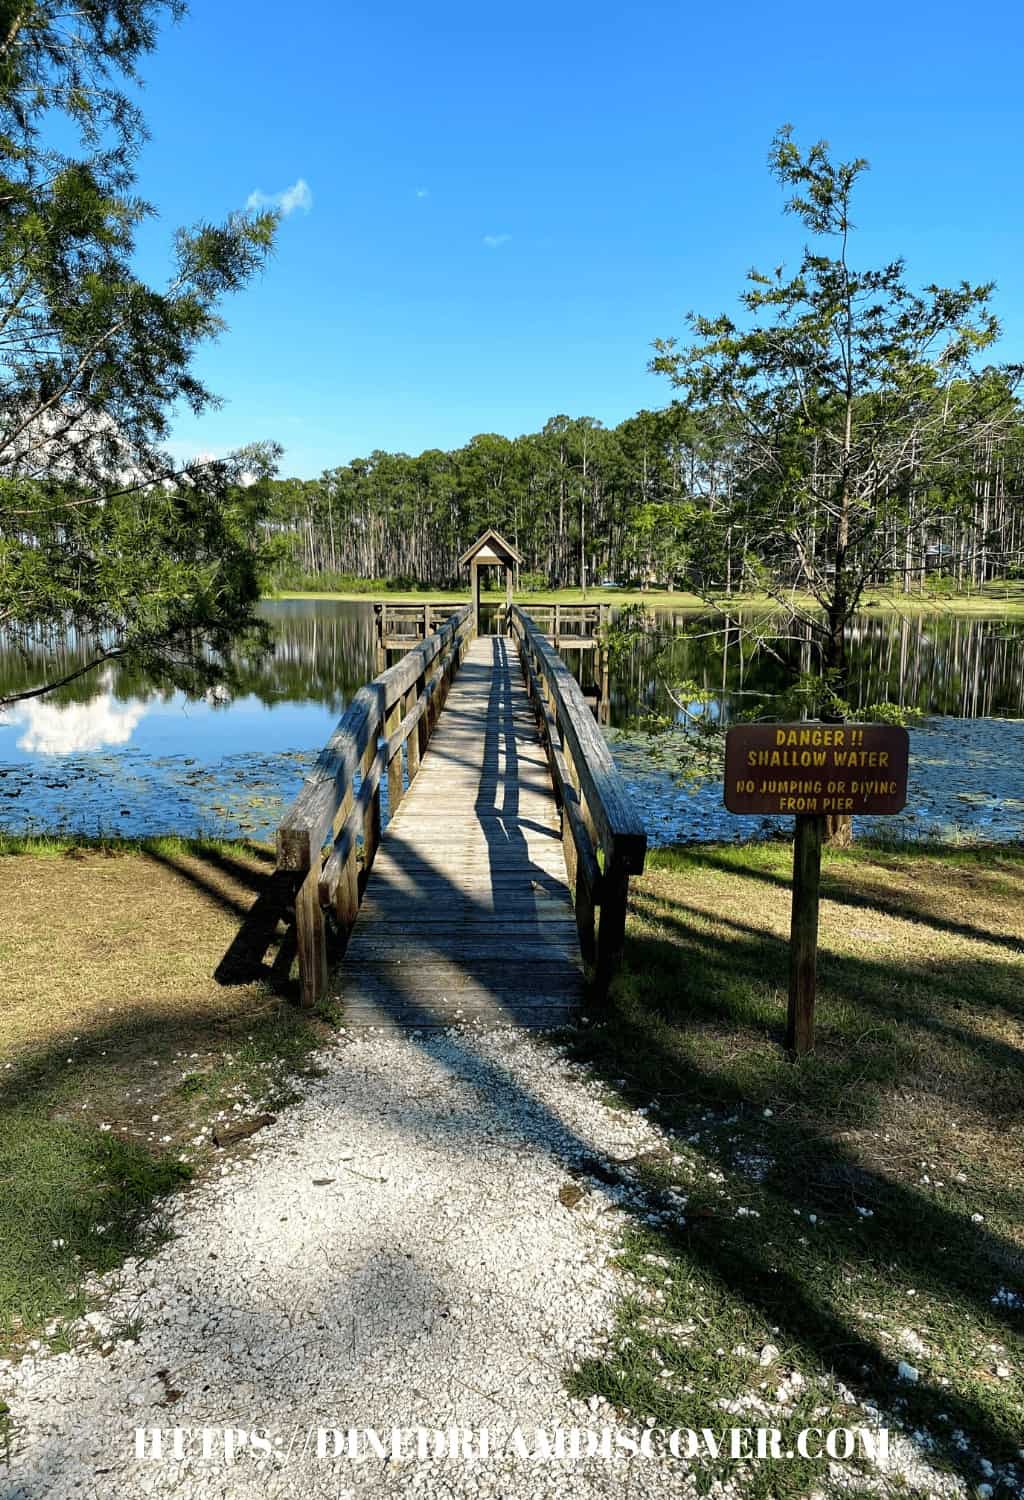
(1004, 600)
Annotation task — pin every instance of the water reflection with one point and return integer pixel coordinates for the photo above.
(940, 664)
(65, 728)
(324, 651)
(112, 751)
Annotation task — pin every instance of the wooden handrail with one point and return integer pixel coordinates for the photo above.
(402, 621)
(415, 610)
(563, 622)
(368, 739)
(598, 814)
(598, 611)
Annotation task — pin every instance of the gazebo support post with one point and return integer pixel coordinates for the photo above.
(490, 551)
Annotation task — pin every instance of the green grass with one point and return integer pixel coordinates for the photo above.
(1004, 600)
(121, 1051)
(74, 1202)
(857, 1170)
(79, 1192)
(654, 597)
(56, 846)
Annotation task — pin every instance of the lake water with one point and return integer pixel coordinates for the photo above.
(114, 755)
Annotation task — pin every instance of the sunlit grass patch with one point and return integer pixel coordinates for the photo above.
(1000, 599)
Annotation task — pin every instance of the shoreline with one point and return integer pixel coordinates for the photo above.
(1004, 606)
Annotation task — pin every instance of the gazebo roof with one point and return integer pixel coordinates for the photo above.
(490, 547)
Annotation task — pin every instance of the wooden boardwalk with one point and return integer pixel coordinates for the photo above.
(467, 913)
(498, 891)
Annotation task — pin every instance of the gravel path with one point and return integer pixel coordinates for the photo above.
(393, 1254)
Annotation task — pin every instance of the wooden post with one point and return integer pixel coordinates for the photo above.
(371, 823)
(568, 848)
(311, 935)
(381, 654)
(588, 821)
(432, 706)
(584, 906)
(423, 727)
(395, 788)
(604, 708)
(346, 899)
(413, 742)
(474, 569)
(508, 586)
(803, 937)
(611, 929)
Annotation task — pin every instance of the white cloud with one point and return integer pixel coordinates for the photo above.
(299, 195)
(61, 729)
(492, 241)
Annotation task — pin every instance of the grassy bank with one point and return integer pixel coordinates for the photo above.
(143, 1006)
(1005, 600)
(853, 1226)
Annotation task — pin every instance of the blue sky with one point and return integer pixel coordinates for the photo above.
(507, 203)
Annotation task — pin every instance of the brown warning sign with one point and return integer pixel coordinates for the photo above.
(816, 768)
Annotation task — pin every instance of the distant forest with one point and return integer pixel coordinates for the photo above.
(635, 504)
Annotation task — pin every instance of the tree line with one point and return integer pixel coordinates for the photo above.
(637, 504)
(571, 498)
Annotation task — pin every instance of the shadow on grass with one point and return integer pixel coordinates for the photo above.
(761, 959)
(694, 1030)
(83, 1161)
(884, 899)
(263, 949)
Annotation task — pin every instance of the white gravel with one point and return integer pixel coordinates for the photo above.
(392, 1255)
(431, 1277)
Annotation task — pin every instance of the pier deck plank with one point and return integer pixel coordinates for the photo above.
(467, 914)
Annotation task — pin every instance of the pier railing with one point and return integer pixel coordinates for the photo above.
(319, 836)
(602, 835)
(399, 626)
(575, 625)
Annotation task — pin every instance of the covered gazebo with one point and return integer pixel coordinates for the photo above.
(489, 551)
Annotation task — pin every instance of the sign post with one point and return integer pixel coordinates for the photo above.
(812, 770)
(803, 931)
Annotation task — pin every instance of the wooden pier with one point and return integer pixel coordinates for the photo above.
(569, 627)
(498, 890)
(581, 626)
